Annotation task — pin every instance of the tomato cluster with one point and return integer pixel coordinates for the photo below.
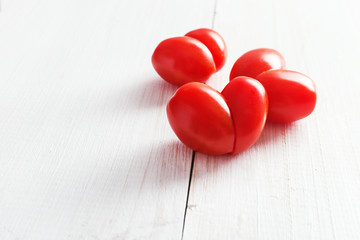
(260, 90)
(292, 95)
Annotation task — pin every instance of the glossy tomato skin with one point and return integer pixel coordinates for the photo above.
(248, 103)
(214, 42)
(180, 60)
(201, 119)
(257, 61)
(292, 95)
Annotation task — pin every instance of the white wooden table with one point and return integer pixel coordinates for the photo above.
(86, 151)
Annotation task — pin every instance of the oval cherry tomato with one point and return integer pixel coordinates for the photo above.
(214, 42)
(180, 60)
(292, 95)
(248, 103)
(201, 119)
(257, 61)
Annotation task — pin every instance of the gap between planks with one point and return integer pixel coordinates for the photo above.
(188, 193)
(193, 155)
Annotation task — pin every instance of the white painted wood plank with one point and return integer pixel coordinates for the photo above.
(85, 148)
(300, 181)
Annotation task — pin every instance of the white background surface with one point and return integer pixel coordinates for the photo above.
(86, 151)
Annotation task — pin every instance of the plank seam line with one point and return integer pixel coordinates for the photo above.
(188, 193)
(214, 15)
(193, 155)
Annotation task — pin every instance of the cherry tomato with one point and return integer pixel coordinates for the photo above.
(180, 60)
(214, 42)
(248, 103)
(201, 119)
(292, 95)
(257, 61)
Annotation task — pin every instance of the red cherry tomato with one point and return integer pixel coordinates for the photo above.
(257, 61)
(201, 119)
(180, 60)
(292, 95)
(214, 42)
(248, 103)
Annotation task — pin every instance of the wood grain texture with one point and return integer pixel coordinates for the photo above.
(300, 181)
(85, 148)
(86, 151)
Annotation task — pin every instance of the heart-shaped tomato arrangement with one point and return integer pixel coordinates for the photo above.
(192, 58)
(260, 90)
(217, 123)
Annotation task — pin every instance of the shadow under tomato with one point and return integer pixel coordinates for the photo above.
(273, 133)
